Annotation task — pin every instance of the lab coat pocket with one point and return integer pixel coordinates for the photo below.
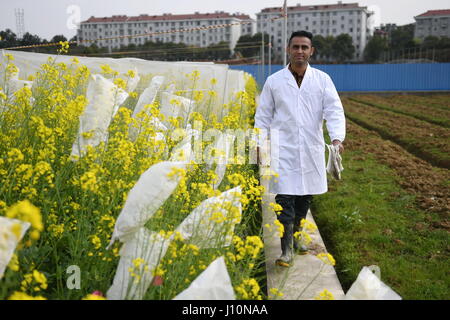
(288, 144)
(314, 159)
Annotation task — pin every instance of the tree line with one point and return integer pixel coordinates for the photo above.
(166, 51)
(399, 45)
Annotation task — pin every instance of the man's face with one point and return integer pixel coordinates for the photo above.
(300, 50)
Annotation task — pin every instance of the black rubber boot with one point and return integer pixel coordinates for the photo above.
(299, 248)
(286, 257)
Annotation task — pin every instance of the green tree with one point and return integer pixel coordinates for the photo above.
(323, 46)
(402, 37)
(343, 48)
(58, 38)
(430, 42)
(250, 46)
(374, 48)
(8, 39)
(219, 51)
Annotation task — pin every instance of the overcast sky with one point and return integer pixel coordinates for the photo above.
(47, 18)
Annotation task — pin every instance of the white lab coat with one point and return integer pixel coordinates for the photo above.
(294, 117)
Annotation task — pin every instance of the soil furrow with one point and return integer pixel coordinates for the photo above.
(424, 140)
(429, 184)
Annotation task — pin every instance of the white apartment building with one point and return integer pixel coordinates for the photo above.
(325, 20)
(432, 23)
(116, 26)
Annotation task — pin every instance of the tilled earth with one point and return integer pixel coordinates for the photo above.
(426, 140)
(429, 184)
(420, 111)
(441, 101)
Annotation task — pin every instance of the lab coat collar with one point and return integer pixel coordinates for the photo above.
(290, 78)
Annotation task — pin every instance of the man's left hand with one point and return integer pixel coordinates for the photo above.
(341, 146)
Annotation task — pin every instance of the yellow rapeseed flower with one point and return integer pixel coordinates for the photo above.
(16, 229)
(327, 258)
(14, 263)
(325, 295)
(119, 82)
(23, 296)
(64, 47)
(311, 227)
(280, 227)
(94, 297)
(276, 207)
(275, 292)
(131, 73)
(26, 211)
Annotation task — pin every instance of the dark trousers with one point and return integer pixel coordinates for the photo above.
(295, 208)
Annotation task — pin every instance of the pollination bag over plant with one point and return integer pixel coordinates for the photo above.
(138, 259)
(236, 81)
(148, 194)
(369, 287)
(148, 96)
(176, 106)
(223, 146)
(183, 151)
(227, 81)
(212, 284)
(11, 232)
(132, 81)
(211, 224)
(104, 100)
(12, 83)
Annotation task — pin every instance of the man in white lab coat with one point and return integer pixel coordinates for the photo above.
(293, 104)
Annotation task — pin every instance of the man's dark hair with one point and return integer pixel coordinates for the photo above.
(302, 33)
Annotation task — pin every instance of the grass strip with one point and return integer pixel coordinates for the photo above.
(369, 219)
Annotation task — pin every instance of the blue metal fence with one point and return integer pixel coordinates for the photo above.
(375, 77)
